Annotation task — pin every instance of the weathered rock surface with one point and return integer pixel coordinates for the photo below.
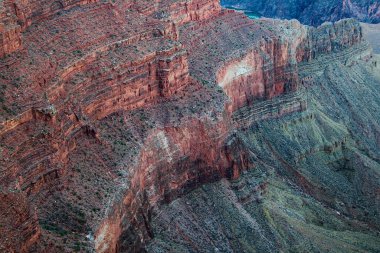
(110, 111)
(312, 12)
(312, 153)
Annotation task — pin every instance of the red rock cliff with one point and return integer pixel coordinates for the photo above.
(256, 60)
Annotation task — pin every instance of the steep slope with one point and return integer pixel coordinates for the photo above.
(312, 12)
(110, 111)
(314, 187)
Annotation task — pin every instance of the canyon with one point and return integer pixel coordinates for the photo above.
(311, 12)
(181, 126)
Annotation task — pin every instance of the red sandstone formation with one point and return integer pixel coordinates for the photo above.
(74, 76)
(19, 222)
(258, 59)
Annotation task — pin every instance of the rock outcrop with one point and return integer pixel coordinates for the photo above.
(262, 63)
(112, 110)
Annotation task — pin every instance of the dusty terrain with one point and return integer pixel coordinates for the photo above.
(179, 126)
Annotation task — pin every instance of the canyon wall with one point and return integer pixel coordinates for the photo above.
(175, 161)
(312, 12)
(24, 222)
(110, 110)
(17, 16)
(69, 73)
(178, 12)
(262, 61)
(333, 37)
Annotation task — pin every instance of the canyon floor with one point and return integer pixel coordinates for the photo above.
(180, 126)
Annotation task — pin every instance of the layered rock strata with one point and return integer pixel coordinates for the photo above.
(112, 109)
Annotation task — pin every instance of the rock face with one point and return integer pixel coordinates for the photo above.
(16, 16)
(111, 111)
(315, 149)
(19, 222)
(312, 12)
